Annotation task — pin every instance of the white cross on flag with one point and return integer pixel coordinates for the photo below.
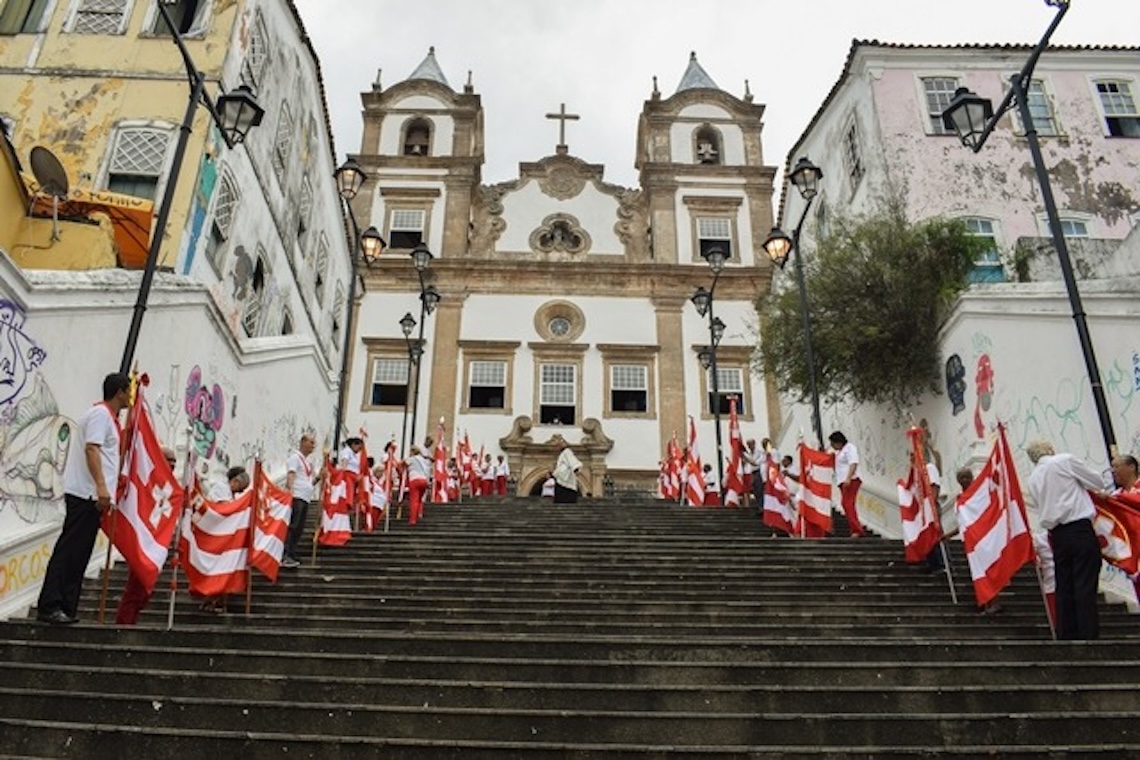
(142, 523)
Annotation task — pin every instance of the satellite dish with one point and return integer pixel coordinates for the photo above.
(49, 173)
(52, 178)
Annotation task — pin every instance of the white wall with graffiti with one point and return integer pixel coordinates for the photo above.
(225, 400)
(1010, 355)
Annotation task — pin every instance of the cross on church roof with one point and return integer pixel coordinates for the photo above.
(562, 117)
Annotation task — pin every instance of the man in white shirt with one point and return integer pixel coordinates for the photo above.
(846, 473)
(502, 472)
(90, 480)
(299, 481)
(1059, 488)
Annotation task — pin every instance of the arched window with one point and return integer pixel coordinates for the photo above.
(254, 305)
(417, 138)
(706, 146)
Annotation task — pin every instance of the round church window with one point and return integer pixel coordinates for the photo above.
(560, 326)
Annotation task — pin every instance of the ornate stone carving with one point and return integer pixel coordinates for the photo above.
(487, 223)
(560, 233)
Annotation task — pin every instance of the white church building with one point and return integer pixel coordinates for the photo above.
(564, 309)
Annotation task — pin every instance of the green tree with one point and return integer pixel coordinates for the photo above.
(878, 288)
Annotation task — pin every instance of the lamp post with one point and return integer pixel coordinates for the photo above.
(703, 300)
(973, 119)
(407, 324)
(349, 179)
(805, 176)
(234, 114)
(429, 298)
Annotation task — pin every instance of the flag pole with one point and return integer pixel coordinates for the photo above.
(255, 510)
(320, 510)
(187, 481)
(126, 448)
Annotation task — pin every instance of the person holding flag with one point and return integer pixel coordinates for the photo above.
(90, 482)
(236, 482)
(847, 476)
(1059, 487)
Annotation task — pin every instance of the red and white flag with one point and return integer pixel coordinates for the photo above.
(779, 511)
(671, 488)
(273, 508)
(734, 475)
(463, 449)
(149, 504)
(336, 527)
(1117, 526)
(214, 544)
(694, 473)
(921, 527)
(439, 467)
(817, 471)
(991, 517)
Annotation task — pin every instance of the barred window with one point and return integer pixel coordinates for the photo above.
(557, 394)
(304, 208)
(852, 154)
(320, 268)
(389, 382)
(256, 54)
(730, 382)
(939, 92)
(100, 16)
(629, 388)
(406, 228)
(337, 314)
(138, 161)
(225, 206)
(283, 142)
(714, 232)
(254, 308)
(487, 385)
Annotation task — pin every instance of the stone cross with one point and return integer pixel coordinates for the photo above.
(562, 117)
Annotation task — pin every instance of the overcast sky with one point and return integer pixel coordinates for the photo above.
(599, 57)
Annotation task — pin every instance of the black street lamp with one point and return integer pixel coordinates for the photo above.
(973, 119)
(349, 179)
(407, 324)
(703, 300)
(805, 176)
(429, 298)
(234, 114)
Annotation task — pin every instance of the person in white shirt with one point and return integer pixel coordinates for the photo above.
(753, 473)
(502, 472)
(349, 456)
(90, 480)
(420, 469)
(847, 474)
(1059, 488)
(712, 489)
(301, 482)
(487, 477)
(566, 475)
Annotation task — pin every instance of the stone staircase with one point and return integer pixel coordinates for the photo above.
(521, 629)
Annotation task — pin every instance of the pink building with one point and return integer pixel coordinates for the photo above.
(880, 127)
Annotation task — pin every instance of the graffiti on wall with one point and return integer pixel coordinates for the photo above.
(205, 413)
(20, 355)
(956, 384)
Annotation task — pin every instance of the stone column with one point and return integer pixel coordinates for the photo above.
(443, 392)
(670, 367)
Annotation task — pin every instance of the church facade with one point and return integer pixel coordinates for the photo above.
(564, 309)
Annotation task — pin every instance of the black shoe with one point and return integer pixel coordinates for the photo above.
(58, 617)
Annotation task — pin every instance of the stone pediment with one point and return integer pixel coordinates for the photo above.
(561, 177)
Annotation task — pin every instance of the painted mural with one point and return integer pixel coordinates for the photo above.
(205, 413)
(34, 436)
